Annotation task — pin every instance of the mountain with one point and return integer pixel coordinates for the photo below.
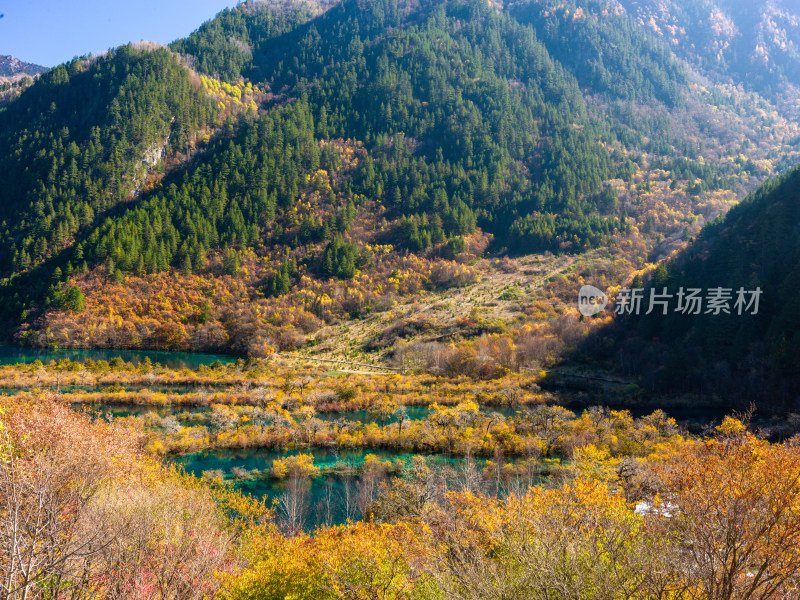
(291, 167)
(12, 67)
(755, 44)
(223, 46)
(82, 136)
(747, 356)
(14, 76)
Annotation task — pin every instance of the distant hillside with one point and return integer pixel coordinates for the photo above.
(10, 67)
(756, 44)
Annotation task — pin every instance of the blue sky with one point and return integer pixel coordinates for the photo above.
(49, 32)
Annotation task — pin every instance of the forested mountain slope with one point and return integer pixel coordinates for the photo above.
(293, 164)
(755, 246)
(224, 46)
(79, 142)
(473, 94)
(607, 50)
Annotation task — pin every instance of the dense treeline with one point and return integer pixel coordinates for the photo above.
(481, 114)
(579, 35)
(493, 128)
(229, 200)
(89, 515)
(223, 47)
(82, 139)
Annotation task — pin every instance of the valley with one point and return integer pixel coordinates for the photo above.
(289, 306)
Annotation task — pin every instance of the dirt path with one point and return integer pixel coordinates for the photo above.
(296, 356)
(498, 296)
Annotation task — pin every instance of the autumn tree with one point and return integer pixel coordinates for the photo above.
(734, 504)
